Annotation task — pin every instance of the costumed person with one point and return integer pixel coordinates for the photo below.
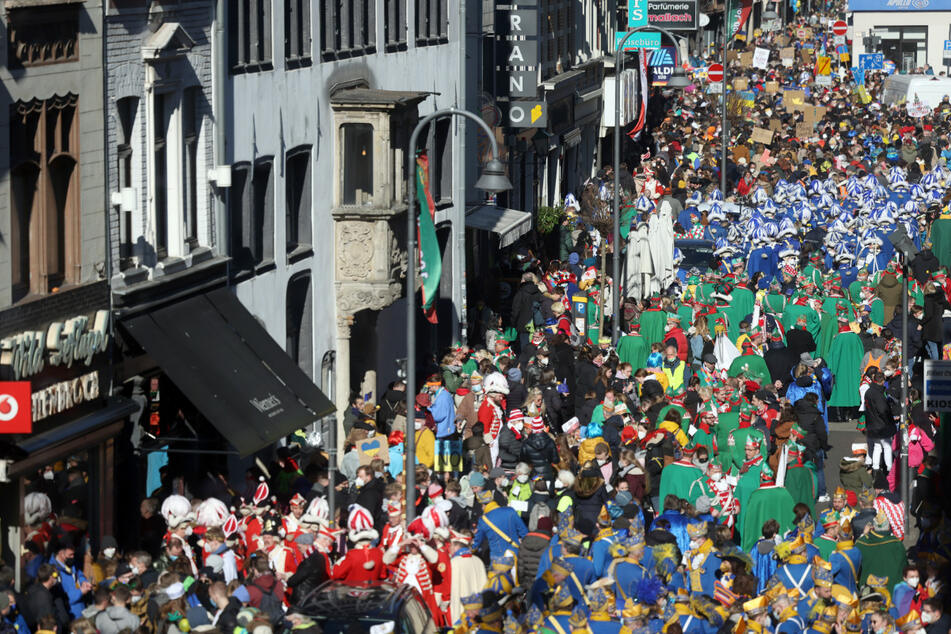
(767, 502)
(468, 575)
(363, 562)
(883, 555)
(492, 411)
(702, 560)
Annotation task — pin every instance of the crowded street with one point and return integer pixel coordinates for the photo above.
(701, 393)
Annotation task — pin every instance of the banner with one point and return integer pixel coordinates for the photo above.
(738, 12)
(429, 259)
(644, 90)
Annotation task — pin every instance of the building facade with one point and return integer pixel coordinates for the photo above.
(911, 34)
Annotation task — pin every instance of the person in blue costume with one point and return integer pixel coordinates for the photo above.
(582, 568)
(784, 611)
(764, 559)
(627, 569)
(500, 526)
(560, 608)
(602, 604)
(600, 551)
(544, 587)
(795, 572)
(702, 560)
(846, 560)
(763, 260)
(810, 606)
(685, 614)
(676, 521)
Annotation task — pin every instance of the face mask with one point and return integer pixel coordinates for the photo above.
(696, 543)
(359, 482)
(518, 426)
(559, 484)
(927, 617)
(136, 598)
(543, 361)
(109, 553)
(48, 475)
(504, 483)
(880, 630)
(378, 474)
(602, 461)
(418, 426)
(522, 478)
(913, 582)
(715, 476)
(642, 434)
(69, 562)
(172, 557)
(188, 531)
(477, 388)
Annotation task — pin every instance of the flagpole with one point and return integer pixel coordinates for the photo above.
(723, 122)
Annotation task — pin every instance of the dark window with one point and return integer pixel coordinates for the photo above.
(299, 324)
(191, 129)
(160, 118)
(440, 165)
(297, 32)
(348, 28)
(45, 228)
(249, 24)
(239, 203)
(394, 24)
(126, 108)
(263, 200)
(357, 164)
(297, 187)
(432, 22)
(907, 46)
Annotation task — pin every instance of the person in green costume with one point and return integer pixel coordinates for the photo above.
(794, 310)
(676, 478)
(941, 238)
(855, 288)
(826, 543)
(813, 270)
(845, 360)
(828, 329)
(883, 554)
(633, 349)
(738, 445)
(704, 428)
(750, 365)
(653, 324)
(767, 502)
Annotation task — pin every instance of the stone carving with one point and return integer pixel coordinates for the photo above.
(44, 36)
(355, 250)
(398, 259)
(352, 299)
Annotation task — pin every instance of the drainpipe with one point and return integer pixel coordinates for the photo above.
(219, 77)
(459, 290)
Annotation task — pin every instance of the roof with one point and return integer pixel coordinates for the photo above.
(336, 600)
(377, 97)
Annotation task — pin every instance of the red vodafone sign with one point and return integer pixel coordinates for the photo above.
(840, 27)
(715, 72)
(16, 414)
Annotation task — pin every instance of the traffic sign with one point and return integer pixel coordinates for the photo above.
(937, 379)
(947, 53)
(840, 27)
(638, 40)
(871, 61)
(715, 73)
(947, 45)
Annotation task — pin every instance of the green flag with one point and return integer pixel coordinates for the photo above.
(429, 259)
(738, 12)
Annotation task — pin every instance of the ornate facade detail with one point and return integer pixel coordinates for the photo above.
(41, 36)
(355, 250)
(351, 299)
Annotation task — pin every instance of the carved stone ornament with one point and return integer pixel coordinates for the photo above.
(351, 299)
(355, 250)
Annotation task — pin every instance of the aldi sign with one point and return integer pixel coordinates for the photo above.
(661, 64)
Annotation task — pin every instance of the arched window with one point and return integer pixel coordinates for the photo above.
(299, 330)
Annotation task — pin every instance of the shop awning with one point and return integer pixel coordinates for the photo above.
(231, 369)
(508, 224)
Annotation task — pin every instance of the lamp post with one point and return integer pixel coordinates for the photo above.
(723, 122)
(677, 80)
(493, 180)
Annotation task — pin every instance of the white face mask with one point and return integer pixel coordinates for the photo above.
(522, 478)
(715, 476)
(359, 482)
(543, 361)
(109, 553)
(477, 388)
(641, 433)
(696, 543)
(927, 617)
(48, 475)
(418, 425)
(559, 484)
(378, 474)
(504, 483)
(136, 598)
(913, 581)
(188, 531)
(602, 461)
(518, 426)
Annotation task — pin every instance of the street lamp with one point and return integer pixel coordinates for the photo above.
(678, 79)
(493, 181)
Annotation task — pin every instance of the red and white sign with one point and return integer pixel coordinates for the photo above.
(840, 27)
(715, 73)
(16, 413)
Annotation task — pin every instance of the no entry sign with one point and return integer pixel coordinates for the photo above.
(840, 27)
(715, 73)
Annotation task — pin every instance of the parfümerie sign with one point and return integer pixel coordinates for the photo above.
(73, 341)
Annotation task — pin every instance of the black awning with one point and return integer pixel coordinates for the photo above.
(230, 369)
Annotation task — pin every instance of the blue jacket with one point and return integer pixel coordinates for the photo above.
(506, 520)
(627, 576)
(678, 528)
(846, 566)
(70, 580)
(443, 410)
(795, 576)
(600, 552)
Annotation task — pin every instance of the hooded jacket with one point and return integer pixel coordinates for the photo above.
(889, 289)
(116, 618)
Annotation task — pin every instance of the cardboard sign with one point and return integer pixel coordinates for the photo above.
(795, 100)
(746, 59)
(782, 41)
(806, 55)
(760, 58)
(775, 125)
(803, 130)
(370, 449)
(731, 55)
(805, 33)
(740, 83)
(399, 423)
(771, 87)
(787, 52)
(762, 135)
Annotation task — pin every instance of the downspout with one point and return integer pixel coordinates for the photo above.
(219, 77)
(462, 173)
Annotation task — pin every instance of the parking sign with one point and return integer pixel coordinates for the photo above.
(871, 61)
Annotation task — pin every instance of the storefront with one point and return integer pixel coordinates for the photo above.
(55, 354)
(912, 32)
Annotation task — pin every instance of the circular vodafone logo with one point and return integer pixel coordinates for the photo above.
(8, 408)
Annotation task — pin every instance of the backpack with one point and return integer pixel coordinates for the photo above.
(271, 605)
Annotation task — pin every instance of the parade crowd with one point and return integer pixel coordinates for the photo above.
(672, 482)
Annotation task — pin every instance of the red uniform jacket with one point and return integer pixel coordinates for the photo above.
(353, 568)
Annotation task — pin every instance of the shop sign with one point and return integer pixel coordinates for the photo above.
(63, 343)
(15, 414)
(518, 58)
(65, 395)
(679, 15)
(899, 5)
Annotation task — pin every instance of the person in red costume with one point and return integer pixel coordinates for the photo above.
(363, 562)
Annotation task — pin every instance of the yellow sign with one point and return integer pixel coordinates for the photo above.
(536, 113)
(823, 65)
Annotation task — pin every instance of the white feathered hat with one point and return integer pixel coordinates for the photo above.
(212, 512)
(360, 525)
(36, 507)
(176, 509)
(318, 512)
